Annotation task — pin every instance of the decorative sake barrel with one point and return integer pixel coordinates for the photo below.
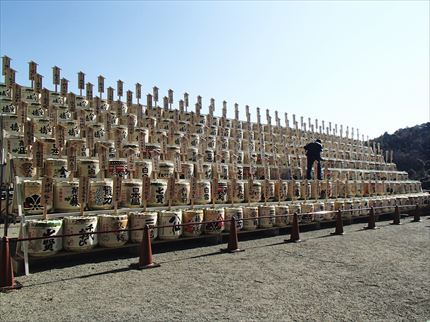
(329, 206)
(282, 219)
(63, 114)
(56, 168)
(267, 216)
(315, 189)
(7, 106)
(171, 219)
(294, 190)
(113, 222)
(224, 171)
(307, 210)
(23, 166)
(209, 155)
(235, 212)
(44, 228)
(66, 194)
(131, 192)
(172, 151)
(215, 216)
(84, 225)
(143, 168)
(305, 189)
(221, 193)
(250, 218)
(130, 149)
(255, 191)
(281, 190)
(195, 140)
(187, 170)
(138, 220)
(28, 95)
(207, 171)
(117, 167)
(100, 194)
(238, 195)
(203, 192)
(32, 192)
(270, 190)
(16, 145)
(157, 193)
(71, 129)
(89, 168)
(347, 207)
(80, 145)
(194, 217)
(318, 206)
(192, 153)
(182, 193)
(12, 125)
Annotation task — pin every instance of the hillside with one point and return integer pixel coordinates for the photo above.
(411, 148)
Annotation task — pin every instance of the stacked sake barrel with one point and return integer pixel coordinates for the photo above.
(122, 165)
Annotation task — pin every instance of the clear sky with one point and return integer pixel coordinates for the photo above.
(359, 63)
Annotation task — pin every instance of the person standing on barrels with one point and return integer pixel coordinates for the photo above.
(313, 153)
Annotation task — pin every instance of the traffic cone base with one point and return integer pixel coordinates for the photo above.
(6, 289)
(151, 265)
(226, 250)
(339, 224)
(293, 240)
(7, 279)
(295, 231)
(417, 217)
(145, 257)
(233, 243)
(396, 217)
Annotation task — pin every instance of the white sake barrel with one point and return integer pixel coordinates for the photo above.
(12, 125)
(129, 149)
(239, 172)
(365, 204)
(325, 189)
(131, 193)
(270, 189)
(32, 192)
(71, 129)
(195, 140)
(266, 211)
(221, 194)
(235, 212)
(143, 168)
(171, 219)
(16, 145)
(157, 193)
(66, 194)
(117, 167)
(294, 208)
(315, 189)
(282, 219)
(255, 192)
(88, 168)
(281, 190)
(138, 220)
(207, 171)
(318, 206)
(225, 156)
(7, 106)
(224, 173)
(238, 192)
(209, 155)
(100, 194)
(182, 193)
(195, 217)
(216, 215)
(305, 189)
(44, 228)
(172, 151)
(356, 205)
(23, 166)
(203, 192)
(28, 95)
(294, 190)
(250, 218)
(113, 222)
(307, 210)
(56, 168)
(80, 145)
(63, 114)
(187, 170)
(192, 153)
(348, 206)
(86, 226)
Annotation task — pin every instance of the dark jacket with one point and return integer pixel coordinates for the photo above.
(313, 150)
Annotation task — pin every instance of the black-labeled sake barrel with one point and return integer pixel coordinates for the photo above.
(214, 217)
(12, 125)
(56, 168)
(194, 217)
(100, 194)
(89, 168)
(81, 102)
(131, 192)
(143, 168)
(66, 195)
(23, 166)
(86, 226)
(266, 216)
(250, 218)
(203, 192)
(187, 170)
(49, 245)
(181, 193)
(7, 106)
(237, 213)
(80, 145)
(138, 220)
(113, 222)
(28, 95)
(171, 219)
(282, 219)
(329, 206)
(255, 191)
(157, 193)
(71, 129)
(32, 196)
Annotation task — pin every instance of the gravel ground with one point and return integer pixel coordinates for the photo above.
(362, 276)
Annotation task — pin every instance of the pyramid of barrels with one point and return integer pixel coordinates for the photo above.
(85, 163)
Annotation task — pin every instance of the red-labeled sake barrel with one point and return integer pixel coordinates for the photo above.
(267, 216)
(214, 216)
(194, 217)
(250, 218)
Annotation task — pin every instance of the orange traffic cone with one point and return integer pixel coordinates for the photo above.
(339, 224)
(233, 243)
(417, 217)
(294, 237)
(145, 258)
(371, 224)
(7, 279)
(396, 216)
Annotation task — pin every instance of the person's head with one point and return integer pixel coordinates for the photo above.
(318, 140)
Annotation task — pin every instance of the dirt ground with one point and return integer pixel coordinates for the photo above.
(365, 275)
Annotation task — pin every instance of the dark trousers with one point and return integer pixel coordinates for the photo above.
(311, 165)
